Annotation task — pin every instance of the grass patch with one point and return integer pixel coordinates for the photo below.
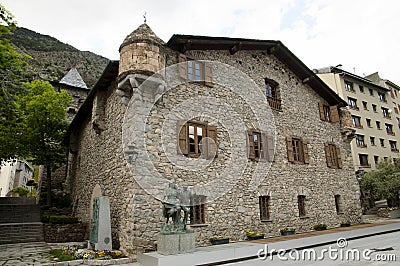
(61, 256)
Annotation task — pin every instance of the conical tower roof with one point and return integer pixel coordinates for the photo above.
(72, 78)
(142, 34)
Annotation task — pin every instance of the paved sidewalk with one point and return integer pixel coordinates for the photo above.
(34, 253)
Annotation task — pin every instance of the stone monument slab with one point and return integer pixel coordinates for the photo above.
(100, 225)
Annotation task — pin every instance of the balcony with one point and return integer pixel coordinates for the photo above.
(387, 116)
(274, 103)
(365, 165)
(354, 107)
(390, 133)
(394, 149)
(358, 126)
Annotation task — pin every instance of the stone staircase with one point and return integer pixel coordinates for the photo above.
(378, 204)
(20, 221)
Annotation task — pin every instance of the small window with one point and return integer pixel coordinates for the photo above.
(385, 112)
(372, 140)
(393, 146)
(360, 141)
(368, 122)
(389, 129)
(374, 108)
(352, 103)
(356, 121)
(396, 110)
(260, 146)
(338, 204)
(333, 157)
(297, 150)
(371, 92)
(365, 105)
(349, 86)
(197, 139)
(194, 70)
(301, 202)
(363, 160)
(378, 125)
(328, 113)
(382, 97)
(264, 208)
(382, 142)
(197, 209)
(272, 94)
(361, 88)
(376, 159)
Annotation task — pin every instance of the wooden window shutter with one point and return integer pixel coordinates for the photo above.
(183, 138)
(183, 66)
(250, 145)
(334, 114)
(208, 79)
(211, 146)
(339, 157)
(305, 152)
(270, 148)
(264, 145)
(289, 148)
(321, 111)
(328, 155)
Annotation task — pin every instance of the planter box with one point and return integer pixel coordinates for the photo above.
(220, 241)
(287, 233)
(255, 237)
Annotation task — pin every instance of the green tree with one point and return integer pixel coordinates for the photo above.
(384, 181)
(21, 191)
(12, 66)
(43, 114)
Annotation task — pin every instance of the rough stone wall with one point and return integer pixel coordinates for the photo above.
(60, 233)
(136, 216)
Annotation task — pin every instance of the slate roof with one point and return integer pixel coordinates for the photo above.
(73, 79)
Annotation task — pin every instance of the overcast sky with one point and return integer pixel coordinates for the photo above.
(362, 35)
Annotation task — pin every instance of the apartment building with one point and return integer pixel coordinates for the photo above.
(14, 174)
(371, 104)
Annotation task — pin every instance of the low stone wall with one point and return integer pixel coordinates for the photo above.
(59, 233)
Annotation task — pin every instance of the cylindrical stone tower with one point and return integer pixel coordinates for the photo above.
(141, 52)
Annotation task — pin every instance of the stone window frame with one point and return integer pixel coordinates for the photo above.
(301, 205)
(205, 75)
(297, 150)
(356, 121)
(209, 140)
(338, 204)
(265, 208)
(333, 156)
(264, 143)
(328, 113)
(197, 212)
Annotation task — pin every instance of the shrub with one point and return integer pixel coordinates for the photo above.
(62, 201)
(55, 219)
(320, 227)
(21, 191)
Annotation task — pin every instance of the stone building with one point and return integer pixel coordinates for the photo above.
(373, 104)
(260, 140)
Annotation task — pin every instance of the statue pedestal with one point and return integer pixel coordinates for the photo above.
(169, 244)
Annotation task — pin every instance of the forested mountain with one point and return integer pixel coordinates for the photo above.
(52, 59)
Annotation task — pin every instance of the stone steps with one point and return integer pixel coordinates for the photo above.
(20, 221)
(21, 233)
